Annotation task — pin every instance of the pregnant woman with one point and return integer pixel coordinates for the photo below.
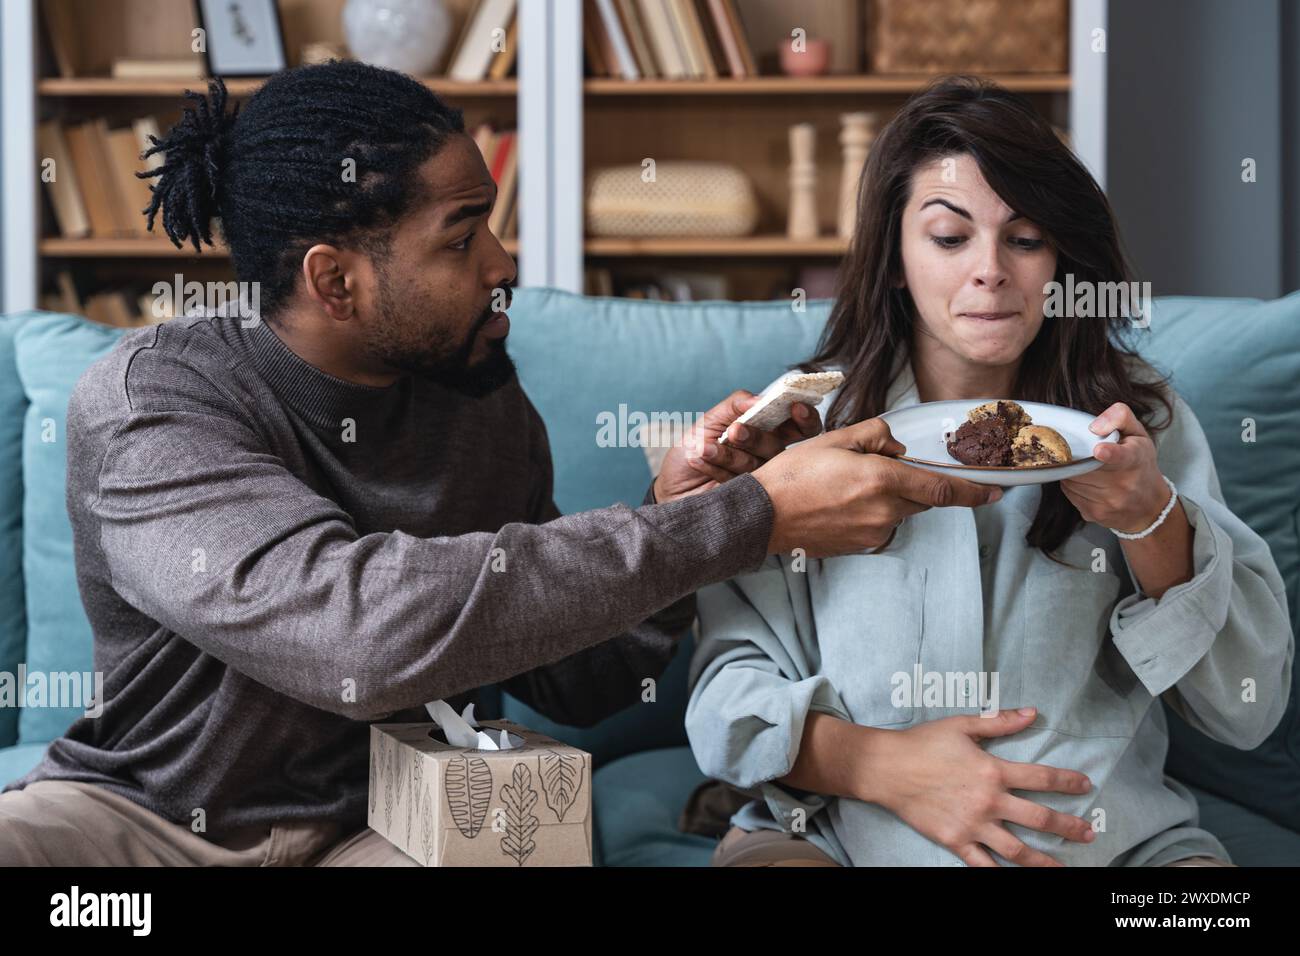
(1080, 601)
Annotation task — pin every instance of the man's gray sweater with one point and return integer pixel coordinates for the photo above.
(271, 557)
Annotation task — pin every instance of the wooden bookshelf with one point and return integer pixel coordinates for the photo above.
(146, 248)
(78, 41)
(110, 88)
(863, 84)
(573, 123)
(743, 247)
(744, 122)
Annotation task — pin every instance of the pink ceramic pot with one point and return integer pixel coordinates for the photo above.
(813, 61)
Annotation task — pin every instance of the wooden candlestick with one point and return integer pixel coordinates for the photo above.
(857, 132)
(803, 182)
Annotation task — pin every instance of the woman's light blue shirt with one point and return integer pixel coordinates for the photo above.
(958, 592)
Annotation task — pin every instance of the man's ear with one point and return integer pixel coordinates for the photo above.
(326, 272)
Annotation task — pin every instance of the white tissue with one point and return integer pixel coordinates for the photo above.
(460, 729)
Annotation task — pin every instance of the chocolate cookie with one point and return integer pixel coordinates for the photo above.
(1039, 445)
(1010, 413)
(984, 441)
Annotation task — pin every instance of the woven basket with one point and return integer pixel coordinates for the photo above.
(685, 199)
(969, 36)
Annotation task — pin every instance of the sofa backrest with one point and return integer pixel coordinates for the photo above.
(586, 360)
(580, 359)
(42, 623)
(1231, 359)
(1237, 364)
(13, 604)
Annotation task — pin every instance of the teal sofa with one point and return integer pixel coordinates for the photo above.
(1233, 360)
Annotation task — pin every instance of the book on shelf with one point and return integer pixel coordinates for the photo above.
(113, 307)
(88, 144)
(500, 149)
(146, 131)
(125, 162)
(634, 29)
(124, 306)
(615, 48)
(505, 173)
(686, 21)
(504, 61)
(95, 192)
(474, 53)
(662, 40)
(676, 39)
(61, 29)
(125, 68)
(69, 298)
(65, 194)
(485, 138)
(593, 49)
(511, 229)
(665, 285)
(726, 17)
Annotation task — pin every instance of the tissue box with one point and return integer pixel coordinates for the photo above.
(454, 806)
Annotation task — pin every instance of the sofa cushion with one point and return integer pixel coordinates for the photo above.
(582, 358)
(639, 798)
(13, 604)
(1250, 839)
(1235, 360)
(638, 801)
(52, 351)
(17, 760)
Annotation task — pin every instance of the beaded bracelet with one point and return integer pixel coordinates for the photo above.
(1173, 497)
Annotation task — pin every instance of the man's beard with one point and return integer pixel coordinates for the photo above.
(449, 369)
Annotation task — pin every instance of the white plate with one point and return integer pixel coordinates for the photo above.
(921, 428)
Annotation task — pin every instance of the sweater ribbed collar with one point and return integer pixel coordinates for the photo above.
(322, 399)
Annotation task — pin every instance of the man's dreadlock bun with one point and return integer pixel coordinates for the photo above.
(189, 180)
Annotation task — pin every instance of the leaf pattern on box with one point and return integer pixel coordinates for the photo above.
(561, 780)
(467, 781)
(390, 771)
(426, 828)
(521, 823)
(409, 762)
(417, 775)
(374, 772)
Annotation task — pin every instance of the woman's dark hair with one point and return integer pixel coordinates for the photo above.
(276, 174)
(1072, 361)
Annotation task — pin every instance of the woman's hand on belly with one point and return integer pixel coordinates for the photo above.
(936, 778)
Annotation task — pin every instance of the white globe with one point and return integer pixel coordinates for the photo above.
(405, 35)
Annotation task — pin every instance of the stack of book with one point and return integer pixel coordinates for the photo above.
(89, 172)
(669, 39)
(487, 45)
(500, 149)
(667, 286)
(126, 306)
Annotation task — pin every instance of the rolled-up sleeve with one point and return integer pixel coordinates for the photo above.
(752, 690)
(1218, 646)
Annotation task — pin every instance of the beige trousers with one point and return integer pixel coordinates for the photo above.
(67, 823)
(775, 848)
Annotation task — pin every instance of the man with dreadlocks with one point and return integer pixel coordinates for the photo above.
(289, 527)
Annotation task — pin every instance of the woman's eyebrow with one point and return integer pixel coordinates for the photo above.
(962, 212)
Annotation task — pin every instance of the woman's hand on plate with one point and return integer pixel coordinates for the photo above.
(1127, 492)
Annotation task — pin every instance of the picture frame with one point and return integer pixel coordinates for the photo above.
(243, 37)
